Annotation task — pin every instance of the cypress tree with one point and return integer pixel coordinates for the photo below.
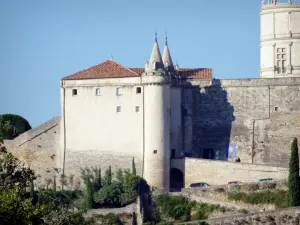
(108, 176)
(54, 183)
(133, 167)
(294, 179)
(32, 189)
(89, 194)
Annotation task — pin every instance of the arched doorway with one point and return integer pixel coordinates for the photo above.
(176, 179)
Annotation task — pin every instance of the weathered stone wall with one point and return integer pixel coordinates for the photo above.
(257, 117)
(216, 172)
(37, 148)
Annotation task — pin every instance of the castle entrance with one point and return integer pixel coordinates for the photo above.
(176, 179)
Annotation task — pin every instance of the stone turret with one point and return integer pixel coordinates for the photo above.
(156, 61)
(157, 112)
(167, 60)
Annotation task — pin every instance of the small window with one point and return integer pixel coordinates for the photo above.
(138, 90)
(137, 108)
(74, 91)
(98, 92)
(119, 91)
(154, 151)
(276, 109)
(118, 109)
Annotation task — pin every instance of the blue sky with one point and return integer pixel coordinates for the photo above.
(43, 41)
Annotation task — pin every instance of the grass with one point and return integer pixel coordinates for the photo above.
(277, 198)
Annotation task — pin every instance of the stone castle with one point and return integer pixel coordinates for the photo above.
(180, 124)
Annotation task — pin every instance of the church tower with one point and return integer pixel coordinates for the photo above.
(157, 111)
(280, 39)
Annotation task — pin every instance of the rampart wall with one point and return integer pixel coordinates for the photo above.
(255, 119)
(216, 172)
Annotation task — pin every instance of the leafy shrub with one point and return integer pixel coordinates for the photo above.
(251, 187)
(109, 195)
(268, 185)
(278, 197)
(18, 124)
(219, 189)
(179, 208)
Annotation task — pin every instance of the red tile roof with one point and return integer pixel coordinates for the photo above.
(112, 69)
(196, 73)
(107, 69)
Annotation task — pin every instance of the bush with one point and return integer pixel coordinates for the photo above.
(110, 195)
(278, 197)
(294, 179)
(179, 208)
(18, 124)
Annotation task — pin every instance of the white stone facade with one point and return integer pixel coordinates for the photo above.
(280, 39)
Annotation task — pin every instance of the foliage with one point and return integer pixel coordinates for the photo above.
(133, 167)
(109, 219)
(109, 195)
(121, 190)
(89, 194)
(278, 197)
(178, 208)
(4, 127)
(13, 172)
(294, 179)
(63, 181)
(16, 210)
(107, 180)
(18, 126)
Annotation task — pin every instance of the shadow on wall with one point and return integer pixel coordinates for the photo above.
(211, 116)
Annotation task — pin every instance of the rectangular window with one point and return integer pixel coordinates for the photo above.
(74, 92)
(154, 151)
(138, 90)
(118, 109)
(98, 91)
(281, 60)
(119, 91)
(137, 109)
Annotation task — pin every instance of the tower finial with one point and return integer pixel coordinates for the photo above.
(166, 37)
(155, 35)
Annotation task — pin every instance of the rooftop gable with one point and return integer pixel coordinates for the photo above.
(113, 69)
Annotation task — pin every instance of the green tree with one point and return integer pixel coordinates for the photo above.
(110, 195)
(120, 176)
(63, 181)
(89, 194)
(54, 183)
(294, 179)
(133, 167)
(18, 126)
(108, 177)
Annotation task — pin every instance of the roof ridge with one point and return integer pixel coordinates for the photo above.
(122, 66)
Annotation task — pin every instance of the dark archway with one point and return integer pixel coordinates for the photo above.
(176, 179)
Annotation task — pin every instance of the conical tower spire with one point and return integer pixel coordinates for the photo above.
(156, 61)
(167, 60)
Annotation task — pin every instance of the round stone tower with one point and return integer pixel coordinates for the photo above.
(280, 39)
(157, 112)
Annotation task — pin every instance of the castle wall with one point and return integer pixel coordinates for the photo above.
(96, 134)
(218, 172)
(176, 122)
(256, 117)
(37, 148)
